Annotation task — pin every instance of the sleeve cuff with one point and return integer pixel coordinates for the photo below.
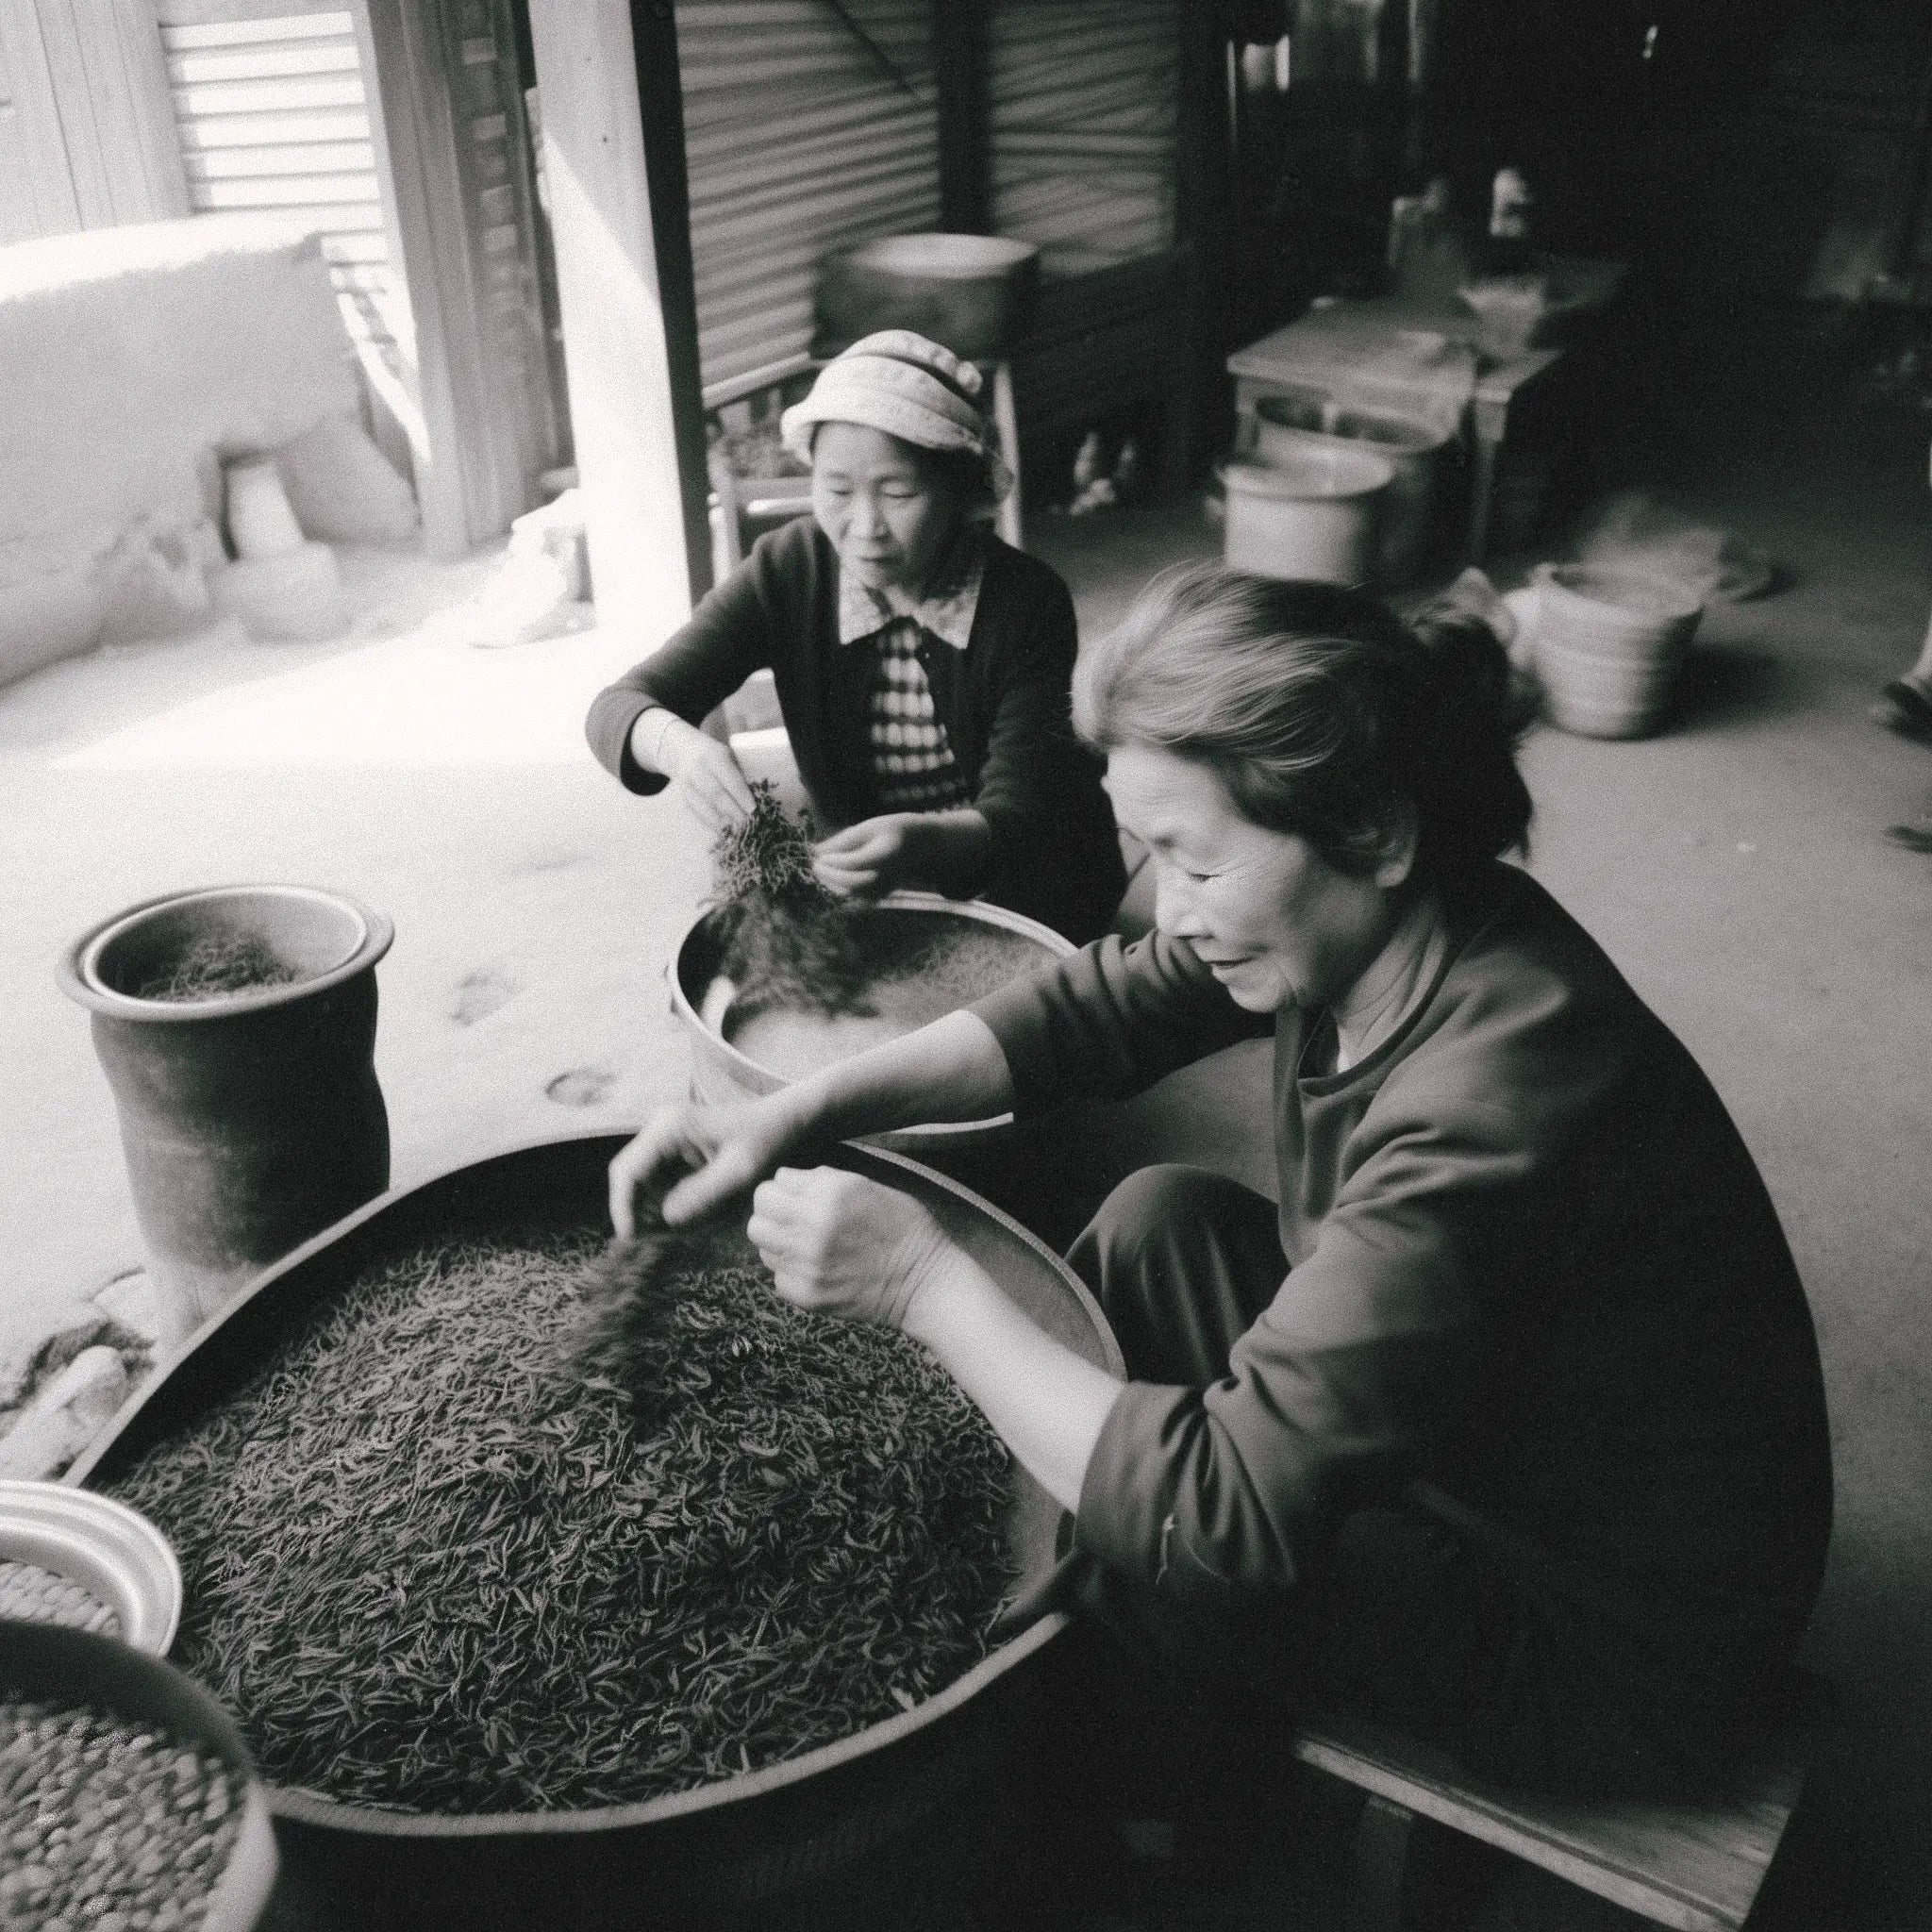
(1020, 1020)
(620, 721)
(1126, 1508)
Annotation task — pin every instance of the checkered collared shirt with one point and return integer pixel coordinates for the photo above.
(914, 768)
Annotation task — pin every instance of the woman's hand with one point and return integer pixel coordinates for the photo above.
(945, 851)
(709, 778)
(702, 1156)
(840, 1244)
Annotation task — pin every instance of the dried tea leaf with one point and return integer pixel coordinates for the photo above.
(785, 942)
(427, 1571)
(217, 963)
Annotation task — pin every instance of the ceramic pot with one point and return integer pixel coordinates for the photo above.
(251, 1119)
(295, 597)
(262, 522)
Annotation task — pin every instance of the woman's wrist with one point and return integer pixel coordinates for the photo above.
(1048, 1404)
(943, 1304)
(961, 844)
(649, 732)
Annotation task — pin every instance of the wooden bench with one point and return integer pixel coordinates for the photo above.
(1696, 1867)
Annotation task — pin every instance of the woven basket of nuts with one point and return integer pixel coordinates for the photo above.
(127, 1803)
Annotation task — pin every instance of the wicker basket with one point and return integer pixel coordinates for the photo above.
(1608, 646)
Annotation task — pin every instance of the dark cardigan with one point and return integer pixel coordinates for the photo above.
(1531, 1264)
(1003, 701)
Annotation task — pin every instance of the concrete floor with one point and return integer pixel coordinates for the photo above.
(1734, 867)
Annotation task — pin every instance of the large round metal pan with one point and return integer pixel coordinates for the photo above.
(758, 1837)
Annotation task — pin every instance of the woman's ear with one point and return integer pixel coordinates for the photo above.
(1396, 848)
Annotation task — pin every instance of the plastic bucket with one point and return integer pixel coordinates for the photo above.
(1286, 427)
(1609, 645)
(1314, 515)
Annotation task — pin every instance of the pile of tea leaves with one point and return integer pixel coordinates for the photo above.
(787, 943)
(790, 947)
(432, 1567)
(218, 964)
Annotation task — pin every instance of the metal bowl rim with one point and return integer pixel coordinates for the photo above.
(131, 1548)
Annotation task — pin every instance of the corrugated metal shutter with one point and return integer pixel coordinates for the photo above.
(274, 121)
(1085, 97)
(798, 143)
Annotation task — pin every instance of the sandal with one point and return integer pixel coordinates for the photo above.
(1907, 708)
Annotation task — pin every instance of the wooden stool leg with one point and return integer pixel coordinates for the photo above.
(1482, 493)
(1381, 1856)
(1411, 1874)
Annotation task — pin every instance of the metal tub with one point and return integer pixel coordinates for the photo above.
(746, 1849)
(720, 1072)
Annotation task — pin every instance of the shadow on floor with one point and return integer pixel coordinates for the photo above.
(1724, 684)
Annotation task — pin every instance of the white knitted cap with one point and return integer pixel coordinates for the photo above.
(908, 386)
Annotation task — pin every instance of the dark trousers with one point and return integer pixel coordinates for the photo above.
(1403, 1619)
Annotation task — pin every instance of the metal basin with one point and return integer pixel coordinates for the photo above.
(720, 1072)
(751, 1841)
(1287, 427)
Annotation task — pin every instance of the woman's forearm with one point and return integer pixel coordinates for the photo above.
(952, 1069)
(1047, 1404)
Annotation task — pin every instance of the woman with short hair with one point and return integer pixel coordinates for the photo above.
(1505, 1423)
(922, 665)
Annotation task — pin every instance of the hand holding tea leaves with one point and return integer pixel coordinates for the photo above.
(840, 1244)
(696, 1158)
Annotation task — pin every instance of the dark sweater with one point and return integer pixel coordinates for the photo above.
(1532, 1265)
(1003, 701)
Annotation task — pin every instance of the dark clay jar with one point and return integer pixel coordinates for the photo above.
(250, 1113)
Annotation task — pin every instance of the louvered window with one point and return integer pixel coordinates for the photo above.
(273, 120)
(807, 126)
(1085, 97)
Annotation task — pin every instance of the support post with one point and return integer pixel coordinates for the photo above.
(962, 65)
(464, 497)
(1197, 409)
(613, 164)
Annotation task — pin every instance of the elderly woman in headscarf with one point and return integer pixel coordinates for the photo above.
(922, 665)
(1504, 1420)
